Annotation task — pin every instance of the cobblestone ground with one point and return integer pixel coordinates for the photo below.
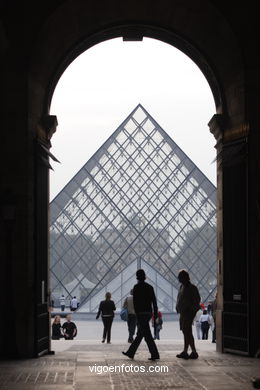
(70, 368)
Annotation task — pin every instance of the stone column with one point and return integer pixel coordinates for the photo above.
(233, 319)
(16, 211)
(45, 130)
(254, 230)
(216, 126)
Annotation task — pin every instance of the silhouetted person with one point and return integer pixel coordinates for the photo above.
(73, 304)
(205, 324)
(62, 302)
(106, 309)
(56, 328)
(209, 308)
(144, 304)
(69, 328)
(188, 303)
(131, 320)
(214, 315)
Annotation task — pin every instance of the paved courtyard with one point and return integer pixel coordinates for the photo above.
(77, 364)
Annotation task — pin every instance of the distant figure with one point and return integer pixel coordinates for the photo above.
(131, 321)
(188, 303)
(157, 324)
(62, 302)
(73, 304)
(69, 328)
(51, 305)
(106, 309)
(209, 308)
(144, 304)
(214, 315)
(56, 328)
(198, 324)
(205, 322)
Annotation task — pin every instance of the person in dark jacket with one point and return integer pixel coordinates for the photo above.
(56, 328)
(106, 309)
(214, 315)
(144, 304)
(188, 303)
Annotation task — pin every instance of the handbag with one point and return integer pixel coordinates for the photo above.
(124, 314)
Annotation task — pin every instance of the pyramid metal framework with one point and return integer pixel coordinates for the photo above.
(138, 202)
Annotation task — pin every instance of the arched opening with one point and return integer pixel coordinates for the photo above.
(150, 72)
(222, 68)
(35, 50)
(193, 232)
(137, 33)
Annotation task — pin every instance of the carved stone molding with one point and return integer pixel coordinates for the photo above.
(47, 127)
(216, 126)
(236, 132)
(219, 128)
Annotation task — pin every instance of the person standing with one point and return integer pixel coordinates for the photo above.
(157, 324)
(209, 308)
(214, 315)
(188, 303)
(131, 320)
(144, 304)
(74, 304)
(107, 309)
(62, 302)
(56, 328)
(205, 324)
(198, 324)
(69, 328)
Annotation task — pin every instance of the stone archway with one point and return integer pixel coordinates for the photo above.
(217, 75)
(200, 31)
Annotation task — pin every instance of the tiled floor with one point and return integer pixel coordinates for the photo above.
(70, 368)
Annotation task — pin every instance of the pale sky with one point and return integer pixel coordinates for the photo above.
(104, 84)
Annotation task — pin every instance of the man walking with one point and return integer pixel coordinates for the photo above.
(188, 303)
(131, 320)
(144, 304)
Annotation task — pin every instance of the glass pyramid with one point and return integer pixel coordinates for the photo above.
(138, 202)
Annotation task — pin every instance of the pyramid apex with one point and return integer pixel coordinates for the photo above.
(140, 112)
(139, 105)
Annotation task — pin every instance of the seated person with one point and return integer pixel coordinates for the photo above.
(56, 328)
(69, 328)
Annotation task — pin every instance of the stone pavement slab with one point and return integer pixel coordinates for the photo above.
(70, 369)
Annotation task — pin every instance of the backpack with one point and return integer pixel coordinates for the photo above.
(124, 314)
